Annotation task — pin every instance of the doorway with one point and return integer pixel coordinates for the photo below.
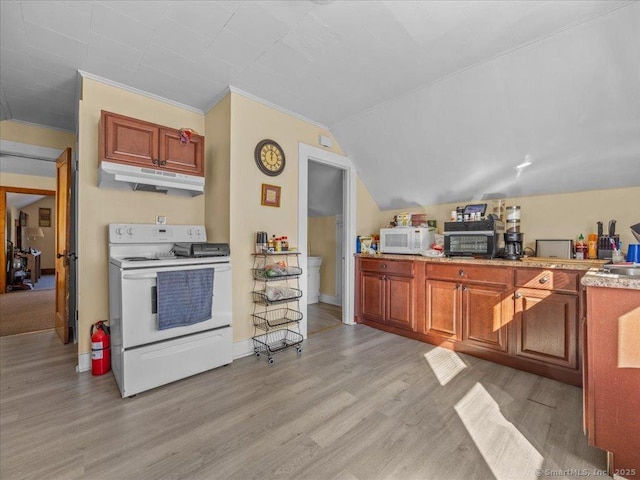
(28, 277)
(311, 157)
(325, 238)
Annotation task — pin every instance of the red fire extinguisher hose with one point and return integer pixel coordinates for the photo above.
(100, 348)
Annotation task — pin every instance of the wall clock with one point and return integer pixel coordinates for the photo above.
(269, 157)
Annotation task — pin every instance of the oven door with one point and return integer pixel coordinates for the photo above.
(139, 304)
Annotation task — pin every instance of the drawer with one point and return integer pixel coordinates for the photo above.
(469, 273)
(392, 267)
(548, 279)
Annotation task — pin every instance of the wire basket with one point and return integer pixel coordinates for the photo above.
(276, 318)
(276, 341)
(261, 297)
(263, 274)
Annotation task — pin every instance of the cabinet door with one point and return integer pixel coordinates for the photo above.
(546, 326)
(372, 296)
(399, 301)
(443, 304)
(126, 140)
(180, 157)
(486, 315)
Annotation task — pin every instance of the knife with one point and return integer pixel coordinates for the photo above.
(612, 228)
(599, 230)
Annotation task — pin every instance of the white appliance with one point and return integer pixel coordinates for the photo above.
(130, 177)
(142, 355)
(406, 240)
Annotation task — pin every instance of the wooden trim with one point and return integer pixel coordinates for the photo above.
(3, 216)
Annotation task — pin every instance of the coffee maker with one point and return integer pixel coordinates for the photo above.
(513, 245)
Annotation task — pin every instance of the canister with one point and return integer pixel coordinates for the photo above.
(513, 219)
(592, 245)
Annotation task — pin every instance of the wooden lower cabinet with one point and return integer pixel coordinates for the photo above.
(487, 311)
(442, 309)
(476, 314)
(507, 315)
(386, 293)
(612, 391)
(546, 327)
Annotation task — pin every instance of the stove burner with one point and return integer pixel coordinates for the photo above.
(139, 259)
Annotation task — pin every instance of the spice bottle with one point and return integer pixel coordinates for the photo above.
(592, 246)
(581, 248)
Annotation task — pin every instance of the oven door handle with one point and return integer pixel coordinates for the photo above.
(139, 276)
(147, 276)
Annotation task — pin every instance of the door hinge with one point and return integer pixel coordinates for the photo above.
(77, 165)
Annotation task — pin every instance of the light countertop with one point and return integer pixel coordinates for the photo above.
(533, 262)
(593, 276)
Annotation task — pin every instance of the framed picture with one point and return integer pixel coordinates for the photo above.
(44, 218)
(270, 195)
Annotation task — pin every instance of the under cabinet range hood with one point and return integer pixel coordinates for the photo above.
(129, 177)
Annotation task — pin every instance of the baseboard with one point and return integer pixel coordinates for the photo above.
(331, 299)
(243, 348)
(84, 362)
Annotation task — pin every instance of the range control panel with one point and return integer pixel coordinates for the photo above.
(152, 233)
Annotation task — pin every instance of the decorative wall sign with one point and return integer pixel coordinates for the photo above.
(270, 195)
(44, 217)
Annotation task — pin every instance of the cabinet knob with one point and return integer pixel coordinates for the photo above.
(156, 161)
(163, 163)
(464, 288)
(383, 265)
(518, 295)
(544, 280)
(461, 272)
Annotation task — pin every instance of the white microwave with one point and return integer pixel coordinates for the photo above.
(407, 240)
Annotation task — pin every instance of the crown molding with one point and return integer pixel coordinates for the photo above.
(266, 103)
(139, 92)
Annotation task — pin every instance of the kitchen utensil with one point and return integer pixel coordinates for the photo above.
(612, 228)
(600, 229)
(635, 229)
(633, 253)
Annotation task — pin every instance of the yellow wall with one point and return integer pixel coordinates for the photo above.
(217, 187)
(27, 181)
(35, 135)
(98, 207)
(322, 243)
(47, 244)
(368, 214)
(252, 122)
(561, 216)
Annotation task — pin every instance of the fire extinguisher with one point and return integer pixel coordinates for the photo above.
(100, 349)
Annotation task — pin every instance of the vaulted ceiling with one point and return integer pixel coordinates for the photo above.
(433, 101)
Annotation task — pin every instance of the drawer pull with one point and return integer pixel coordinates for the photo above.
(383, 265)
(544, 280)
(461, 272)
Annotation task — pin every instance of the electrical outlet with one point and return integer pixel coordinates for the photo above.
(161, 220)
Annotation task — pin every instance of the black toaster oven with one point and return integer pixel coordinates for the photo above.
(480, 238)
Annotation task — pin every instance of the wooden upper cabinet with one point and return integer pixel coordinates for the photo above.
(180, 157)
(136, 142)
(127, 140)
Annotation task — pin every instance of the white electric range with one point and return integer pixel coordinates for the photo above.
(146, 353)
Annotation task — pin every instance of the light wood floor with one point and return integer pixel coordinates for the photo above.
(358, 403)
(322, 316)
